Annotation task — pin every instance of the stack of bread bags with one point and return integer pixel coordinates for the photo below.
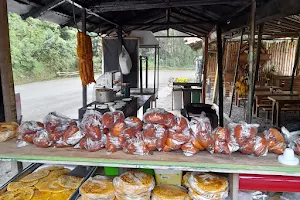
(205, 186)
(134, 185)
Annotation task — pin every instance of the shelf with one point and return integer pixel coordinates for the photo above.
(236, 163)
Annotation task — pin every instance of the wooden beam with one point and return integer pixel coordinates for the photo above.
(251, 62)
(7, 81)
(220, 74)
(236, 73)
(205, 70)
(295, 64)
(167, 23)
(273, 9)
(38, 11)
(144, 5)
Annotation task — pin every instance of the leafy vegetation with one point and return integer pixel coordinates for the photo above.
(40, 49)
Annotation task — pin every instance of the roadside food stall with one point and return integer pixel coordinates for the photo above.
(162, 144)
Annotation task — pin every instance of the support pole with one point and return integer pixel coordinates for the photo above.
(258, 52)
(141, 75)
(120, 43)
(236, 72)
(251, 62)
(155, 53)
(205, 70)
(295, 64)
(220, 74)
(158, 67)
(7, 81)
(83, 29)
(146, 59)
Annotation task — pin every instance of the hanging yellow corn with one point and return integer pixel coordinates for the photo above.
(85, 55)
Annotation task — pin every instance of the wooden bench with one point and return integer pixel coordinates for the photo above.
(269, 109)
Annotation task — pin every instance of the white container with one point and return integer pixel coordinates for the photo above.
(177, 98)
(288, 158)
(173, 177)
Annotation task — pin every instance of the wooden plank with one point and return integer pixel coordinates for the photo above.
(204, 161)
(7, 80)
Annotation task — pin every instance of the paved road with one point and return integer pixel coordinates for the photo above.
(64, 95)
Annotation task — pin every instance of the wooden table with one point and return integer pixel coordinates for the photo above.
(260, 95)
(278, 103)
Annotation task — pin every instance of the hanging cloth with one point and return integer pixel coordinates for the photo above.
(85, 55)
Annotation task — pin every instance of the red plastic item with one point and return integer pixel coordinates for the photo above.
(269, 183)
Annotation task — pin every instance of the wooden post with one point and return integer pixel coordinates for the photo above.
(251, 62)
(295, 64)
(258, 52)
(83, 29)
(7, 81)
(205, 70)
(220, 74)
(236, 72)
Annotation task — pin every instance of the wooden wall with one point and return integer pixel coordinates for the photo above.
(282, 57)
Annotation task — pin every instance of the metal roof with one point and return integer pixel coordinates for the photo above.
(193, 17)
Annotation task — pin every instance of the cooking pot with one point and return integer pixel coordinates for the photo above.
(104, 95)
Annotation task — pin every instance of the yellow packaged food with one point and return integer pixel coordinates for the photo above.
(38, 195)
(65, 195)
(98, 187)
(19, 185)
(71, 182)
(52, 187)
(35, 176)
(169, 192)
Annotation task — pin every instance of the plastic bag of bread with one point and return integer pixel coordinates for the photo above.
(56, 124)
(118, 128)
(176, 140)
(92, 114)
(169, 192)
(189, 149)
(28, 129)
(170, 120)
(222, 141)
(276, 142)
(135, 146)
(295, 145)
(202, 132)
(181, 124)
(261, 145)
(130, 132)
(155, 116)
(134, 122)
(72, 135)
(134, 184)
(8, 130)
(91, 126)
(111, 118)
(231, 128)
(155, 136)
(207, 186)
(91, 145)
(185, 180)
(41, 139)
(98, 187)
(245, 137)
(114, 143)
